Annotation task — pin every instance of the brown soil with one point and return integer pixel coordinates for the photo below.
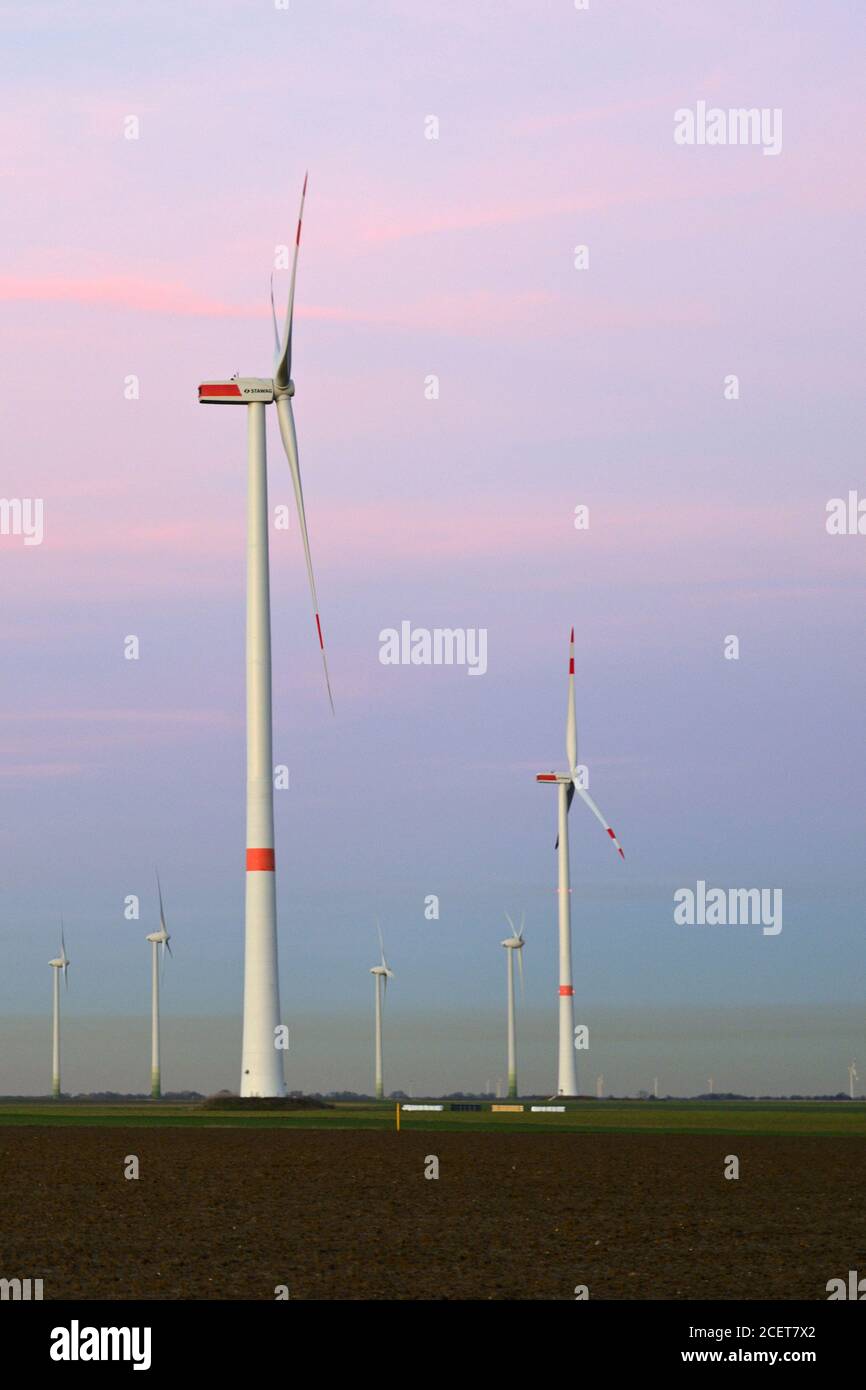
(220, 1213)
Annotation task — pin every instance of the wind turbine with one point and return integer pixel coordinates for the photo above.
(262, 1064)
(513, 943)
(567, 783)
(852, 1077)
(59, 963)
(382, 975)
(599, 1088)
(156, 939)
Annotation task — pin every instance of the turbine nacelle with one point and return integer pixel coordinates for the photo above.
(240, 390)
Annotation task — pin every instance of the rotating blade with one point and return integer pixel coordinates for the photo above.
(290, 444)
(570, 716)
(585, 796)
(283, 355)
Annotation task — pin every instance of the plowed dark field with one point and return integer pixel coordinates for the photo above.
(223, 1213)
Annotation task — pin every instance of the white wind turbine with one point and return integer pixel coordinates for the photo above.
(513, 943)
(156, 939)
(382, 974)
(599, 1087)
(262, 1065)
(59, 963)
(852, 1077)
(567, 784)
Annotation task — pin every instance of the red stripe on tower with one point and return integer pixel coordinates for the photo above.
(319, 630)
(566, 989)
(262, 859)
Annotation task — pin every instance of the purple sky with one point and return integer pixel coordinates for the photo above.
(558, 387)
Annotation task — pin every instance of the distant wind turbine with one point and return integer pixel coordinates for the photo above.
(382, 975)
(513, 943)
(567, 784)
(156, 939)
(59, 963)
(852, 1077)
(599, 1087)
(711, 1084)
(656, 1087)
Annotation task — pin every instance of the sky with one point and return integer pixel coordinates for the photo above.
(605, 387)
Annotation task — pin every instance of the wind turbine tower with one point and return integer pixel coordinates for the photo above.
(262, 1064)
(567, 783)
(513, 943)
(381, 975)
(59, 963)
(156, 939)
(599, 1088)
(852, 1077)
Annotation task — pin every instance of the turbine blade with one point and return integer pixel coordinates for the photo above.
(283, 358)
(290, 444)
(597, 813)
(510, 923)
(570, 716)
(66, 973)
(161, 911)
(276, 328)
(520, 968)
(522, 924)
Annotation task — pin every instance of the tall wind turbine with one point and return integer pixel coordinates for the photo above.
(262, 1064)
(382, 974)
(567, 783)
(513, 943)
(852, 1077)
(156, 939)
(59, 963)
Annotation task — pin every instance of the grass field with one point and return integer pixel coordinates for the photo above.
(831, 1119)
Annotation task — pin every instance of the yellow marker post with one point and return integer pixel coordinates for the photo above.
(397, 1109)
